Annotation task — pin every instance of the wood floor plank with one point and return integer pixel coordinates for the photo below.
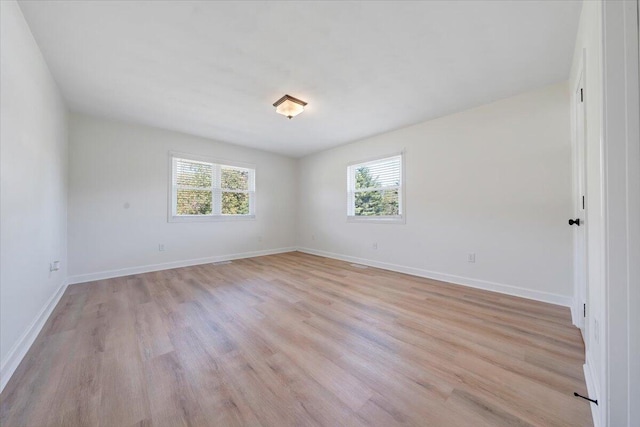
(82, 382)
(297, 340)
(171, 394)
(324, 407)
(151, 332)
(39, 376)
(124, 398)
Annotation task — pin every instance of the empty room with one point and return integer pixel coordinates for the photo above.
(319, 213)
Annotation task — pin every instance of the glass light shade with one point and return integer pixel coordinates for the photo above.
(289, 106)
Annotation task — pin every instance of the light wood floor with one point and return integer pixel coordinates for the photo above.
(295, 339)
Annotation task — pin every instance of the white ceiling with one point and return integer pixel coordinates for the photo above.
(213, 69)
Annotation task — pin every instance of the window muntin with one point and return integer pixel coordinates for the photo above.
(374, 190)
(202, 190)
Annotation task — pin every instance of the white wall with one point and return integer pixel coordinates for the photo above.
(588, 57)
(494, 181)
(114, 163)
(33, 195)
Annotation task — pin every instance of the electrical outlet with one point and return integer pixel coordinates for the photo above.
(471, 257)
(161, 247)
(54, 266)
(374, 245)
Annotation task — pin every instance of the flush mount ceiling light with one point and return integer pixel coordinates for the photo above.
(289, 106)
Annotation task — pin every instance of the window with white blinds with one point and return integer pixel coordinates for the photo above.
(374, 190)
(204, 190)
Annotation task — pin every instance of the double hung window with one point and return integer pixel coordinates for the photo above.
(204, 190)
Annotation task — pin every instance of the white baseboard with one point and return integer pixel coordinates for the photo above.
(20, 348)
(547, 297)
(81, 278)
(577, 317)
(592, 389)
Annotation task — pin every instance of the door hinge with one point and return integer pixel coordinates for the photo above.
(581, 96)
(584, 310)
(582, 202)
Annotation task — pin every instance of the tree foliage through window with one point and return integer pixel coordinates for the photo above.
(372, 202)
(233, 202)
(194, 195)
(374, 189)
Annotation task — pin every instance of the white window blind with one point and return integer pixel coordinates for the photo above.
(374, 189)
(202, 190)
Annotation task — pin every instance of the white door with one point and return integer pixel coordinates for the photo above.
(580, 209)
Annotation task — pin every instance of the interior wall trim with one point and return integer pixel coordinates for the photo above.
(550, 298)
(26, 340)
(109, 274)
(592, 389)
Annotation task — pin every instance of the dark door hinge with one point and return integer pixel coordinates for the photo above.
(582, 202)
(584, 310)
(581, 96)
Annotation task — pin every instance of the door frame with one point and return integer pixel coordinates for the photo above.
(620, 393)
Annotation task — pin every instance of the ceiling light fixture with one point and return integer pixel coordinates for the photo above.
(289, 106)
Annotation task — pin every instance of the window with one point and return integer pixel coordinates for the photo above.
(374, 190)
(203, 190)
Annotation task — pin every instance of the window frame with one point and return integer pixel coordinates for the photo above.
(216, 216)
(382, 219)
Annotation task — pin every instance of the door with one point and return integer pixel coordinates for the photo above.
(580, 209)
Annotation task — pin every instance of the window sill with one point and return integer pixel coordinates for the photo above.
(210, 218)
(377, 219)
